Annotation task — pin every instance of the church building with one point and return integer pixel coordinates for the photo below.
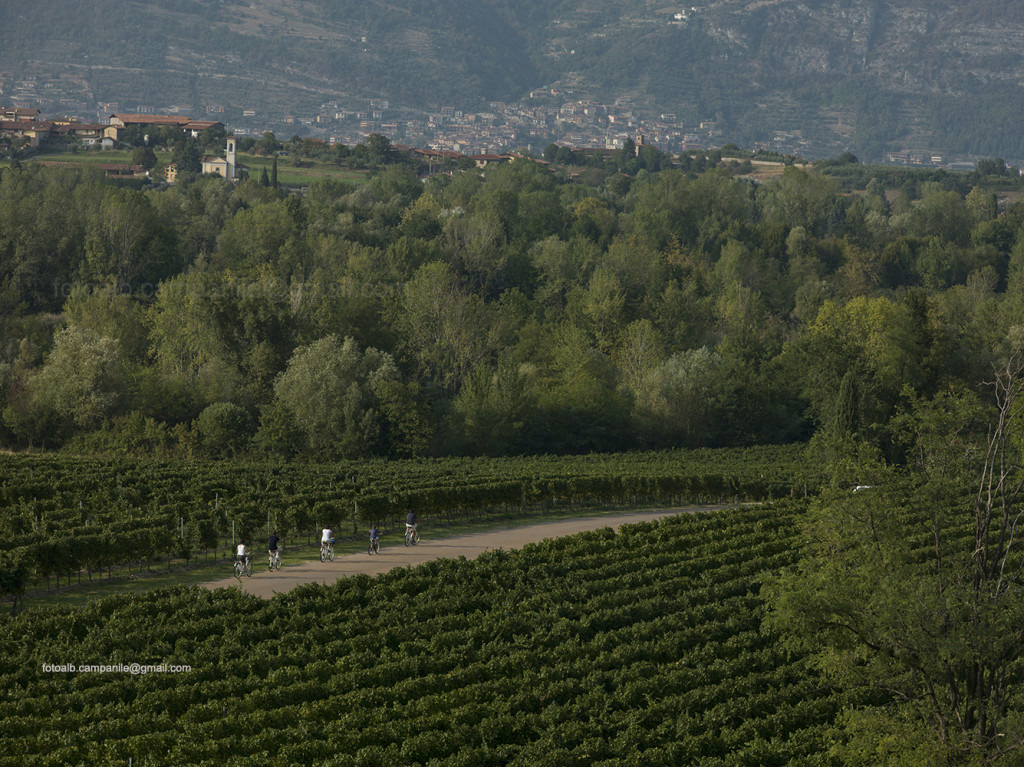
(226, 166)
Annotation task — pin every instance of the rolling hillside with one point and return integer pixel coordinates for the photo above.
(871, 76)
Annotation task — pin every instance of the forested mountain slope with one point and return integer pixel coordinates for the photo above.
(869, 76)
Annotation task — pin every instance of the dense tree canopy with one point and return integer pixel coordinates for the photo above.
(529, 308)
(911, 585)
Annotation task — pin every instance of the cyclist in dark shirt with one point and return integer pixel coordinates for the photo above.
(273, 543)
(411, 520)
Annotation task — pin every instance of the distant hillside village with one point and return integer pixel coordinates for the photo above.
(450, 134)
(545, 115)
(24, 125)
(501, 128)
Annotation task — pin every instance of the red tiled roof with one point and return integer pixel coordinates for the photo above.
(23, 125)
(153, 119)
(77, 127)
(449, 155)
(21, 111)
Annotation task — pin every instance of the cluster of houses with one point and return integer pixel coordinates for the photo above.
(24, 123)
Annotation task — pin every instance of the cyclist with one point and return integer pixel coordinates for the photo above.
(411, 522)
(242, 554)
(374, 535)
(272, 546)
(326, 540)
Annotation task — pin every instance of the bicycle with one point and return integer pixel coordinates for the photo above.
(243, 568)
(327, 552)
(275, 561)
(412, 536)
(374, 547)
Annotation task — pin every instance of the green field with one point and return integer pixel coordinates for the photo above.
(93, 157)
(291, 176)
(641, 648)
(69, 520)
(287, 174)
(213, 565)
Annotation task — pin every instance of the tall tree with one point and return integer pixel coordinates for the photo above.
(188, 156)
(107, 312)
(225, 428)
(444, 327)
(674, 401)
(913, 588)
(128, 244)
(144, 156)
(328, 393)
(378, 149)
(268, 144)
(494, 409)
(82, 382)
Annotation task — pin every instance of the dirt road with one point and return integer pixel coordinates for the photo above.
(394, 554)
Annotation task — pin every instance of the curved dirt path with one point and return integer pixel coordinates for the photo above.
(394, 554)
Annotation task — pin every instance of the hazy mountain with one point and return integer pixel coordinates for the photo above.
(868, 75)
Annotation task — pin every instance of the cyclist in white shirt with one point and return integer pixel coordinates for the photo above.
(325, 539)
